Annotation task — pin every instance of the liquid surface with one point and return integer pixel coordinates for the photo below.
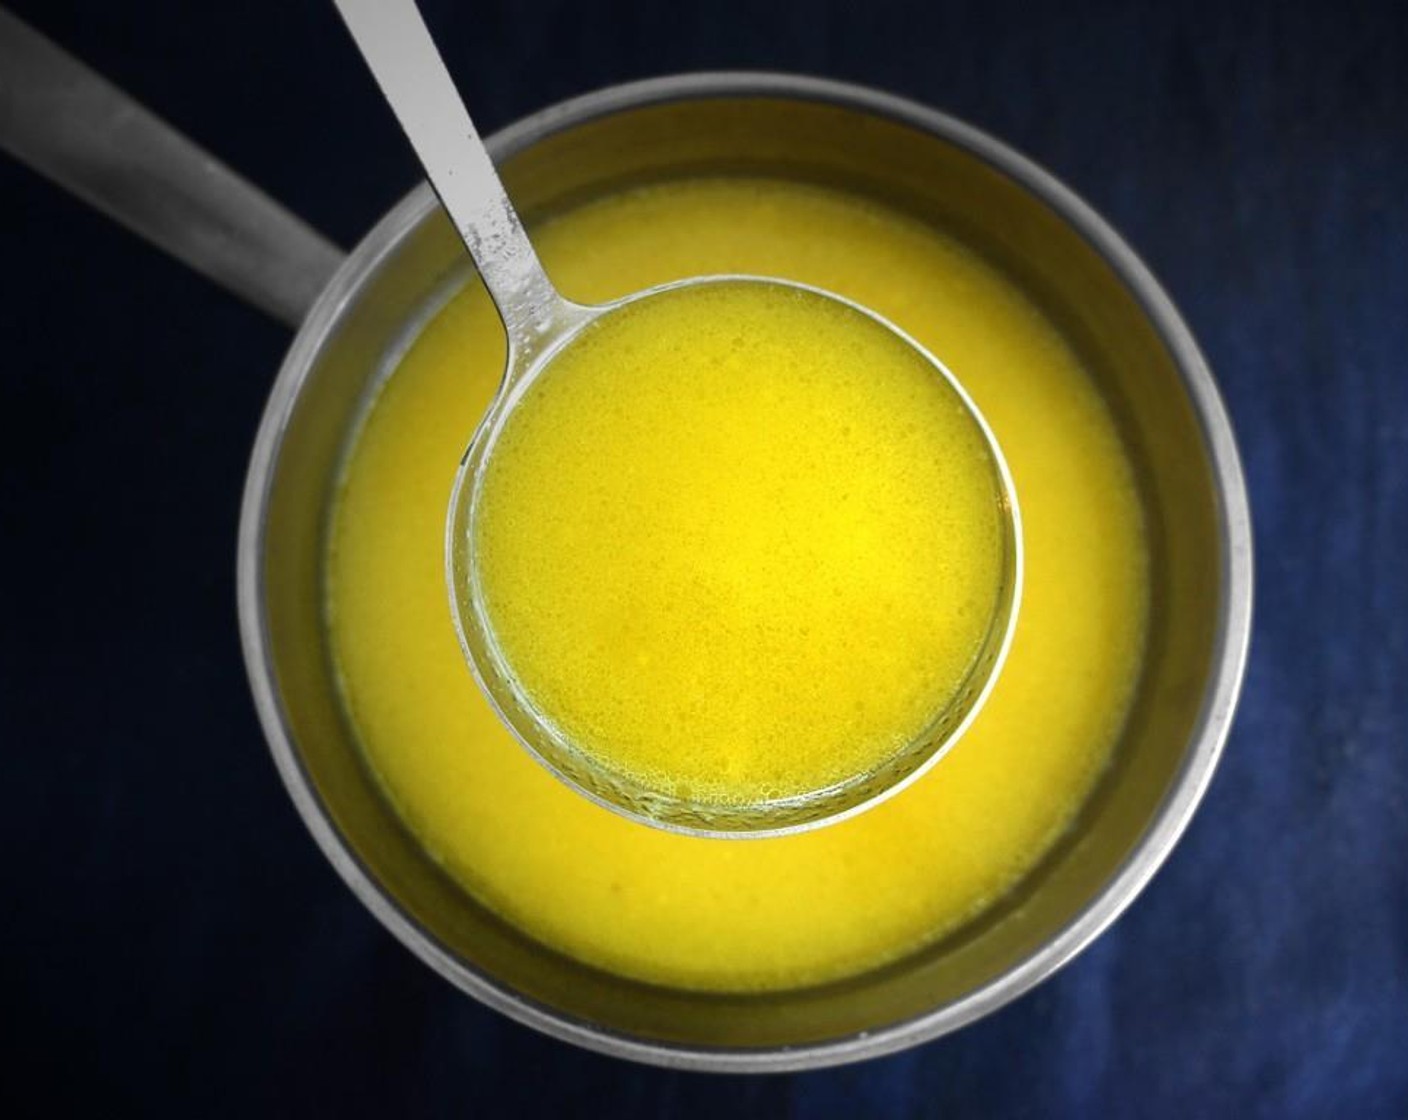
(792, 910)
(740, 542)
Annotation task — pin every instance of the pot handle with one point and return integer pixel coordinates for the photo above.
(85, 134)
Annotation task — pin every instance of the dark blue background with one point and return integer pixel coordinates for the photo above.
(171, 942)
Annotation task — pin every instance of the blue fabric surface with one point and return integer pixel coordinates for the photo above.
(171, 942)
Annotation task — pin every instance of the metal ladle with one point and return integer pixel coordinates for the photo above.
(539, 321)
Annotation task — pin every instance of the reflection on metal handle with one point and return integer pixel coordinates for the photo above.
(402, 57)
(66, 122)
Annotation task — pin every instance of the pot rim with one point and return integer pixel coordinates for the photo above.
(1230, 645)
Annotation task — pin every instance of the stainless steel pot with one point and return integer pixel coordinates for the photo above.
(1136, 347)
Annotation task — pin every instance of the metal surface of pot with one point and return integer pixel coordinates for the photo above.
(1145, 364)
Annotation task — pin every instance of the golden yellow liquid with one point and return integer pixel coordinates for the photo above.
(740, 542)
(787, 911)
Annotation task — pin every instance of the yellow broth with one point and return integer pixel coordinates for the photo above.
(787, 911)
(741, 542)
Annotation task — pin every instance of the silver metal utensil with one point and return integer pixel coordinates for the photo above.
(540, 322)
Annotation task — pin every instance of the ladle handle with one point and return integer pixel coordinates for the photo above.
(403, 58)
(85, 134)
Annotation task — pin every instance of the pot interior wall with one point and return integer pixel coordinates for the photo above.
(943, 183)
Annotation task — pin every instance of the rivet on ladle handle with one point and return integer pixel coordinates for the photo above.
(403, 58)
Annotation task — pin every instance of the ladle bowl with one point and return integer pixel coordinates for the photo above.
(661, 808)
